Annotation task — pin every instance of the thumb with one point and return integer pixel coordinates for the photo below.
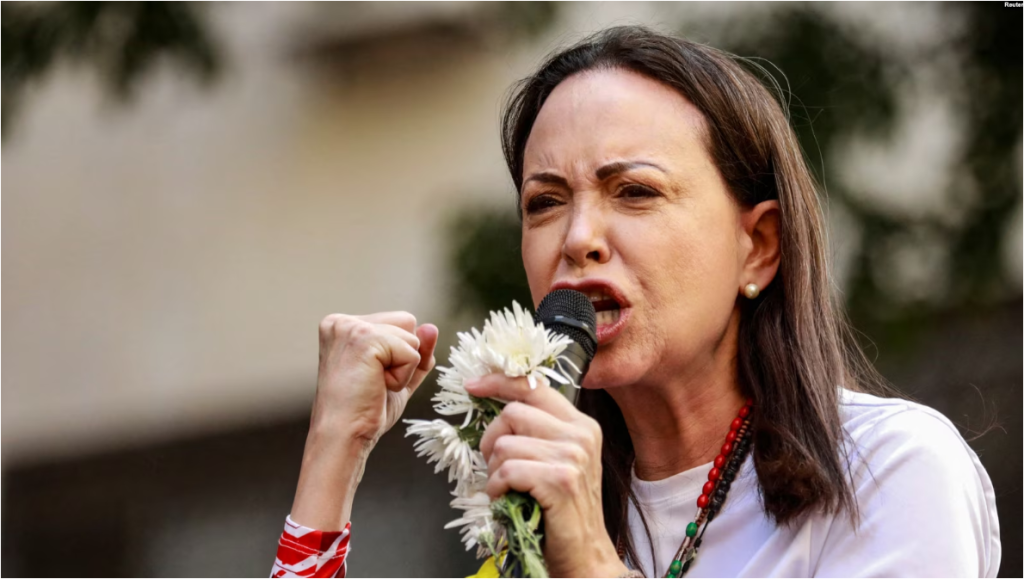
(427, 333)
(400, 361)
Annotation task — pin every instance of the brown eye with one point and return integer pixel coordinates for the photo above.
(638, 191)
(540, 203)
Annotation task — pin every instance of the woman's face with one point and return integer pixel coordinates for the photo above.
(621, 198)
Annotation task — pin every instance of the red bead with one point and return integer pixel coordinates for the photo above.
(708, 487)
(750, 401)
(714, 473)
(702, 501)
(727, 448)
(719, 461)
(731, 437)
(736, 424)
(744, 412)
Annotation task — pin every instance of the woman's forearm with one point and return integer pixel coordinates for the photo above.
(332, 466)
(369, 367)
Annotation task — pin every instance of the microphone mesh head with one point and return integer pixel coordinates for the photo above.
(574, 305)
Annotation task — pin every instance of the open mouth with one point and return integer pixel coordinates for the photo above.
(608, 310)
(611, 305)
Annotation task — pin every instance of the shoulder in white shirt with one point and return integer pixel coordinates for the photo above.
(927, 509)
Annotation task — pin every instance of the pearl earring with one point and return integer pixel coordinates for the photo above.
(751, 291)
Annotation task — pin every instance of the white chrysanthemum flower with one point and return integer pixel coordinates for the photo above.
(515, 344)
(470, 485)
(465, 362)
(510, 343)
(478, 526)
(440, 442)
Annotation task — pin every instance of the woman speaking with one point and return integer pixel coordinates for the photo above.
(662, 179)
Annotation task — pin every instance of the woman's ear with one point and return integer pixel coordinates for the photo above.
(760, 226)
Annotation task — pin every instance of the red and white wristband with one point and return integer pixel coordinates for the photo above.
(306, 552)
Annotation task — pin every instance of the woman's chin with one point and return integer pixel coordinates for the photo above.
(605, 373)
(621, 360)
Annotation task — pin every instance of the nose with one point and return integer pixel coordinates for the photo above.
(585, 240)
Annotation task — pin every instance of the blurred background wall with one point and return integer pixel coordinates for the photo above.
(191, 188)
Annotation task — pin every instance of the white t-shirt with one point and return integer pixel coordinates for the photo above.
(927, 509)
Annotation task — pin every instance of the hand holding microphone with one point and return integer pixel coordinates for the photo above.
(543, 445)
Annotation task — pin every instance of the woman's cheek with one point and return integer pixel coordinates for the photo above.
(541, 254)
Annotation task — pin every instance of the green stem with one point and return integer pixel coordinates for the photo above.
(488, 409)
(524, 546)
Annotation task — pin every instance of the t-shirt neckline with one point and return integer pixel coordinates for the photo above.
(684, 484)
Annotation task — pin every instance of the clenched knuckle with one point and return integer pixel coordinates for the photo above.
(590, 434)
(514, 411)
(358, 331)
(577, 455)
(504, 471)
(495, 427)
(502, 446)
(581, 437)
(327, 325)
(406, 319)
(567, 479)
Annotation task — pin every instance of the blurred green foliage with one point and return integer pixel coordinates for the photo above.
(486, 259)
(121, 40)
(527, 19)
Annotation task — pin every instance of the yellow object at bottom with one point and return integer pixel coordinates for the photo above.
(488, 570)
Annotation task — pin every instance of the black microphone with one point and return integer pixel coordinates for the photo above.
(570, 313)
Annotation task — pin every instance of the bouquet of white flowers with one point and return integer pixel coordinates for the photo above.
(513, 344)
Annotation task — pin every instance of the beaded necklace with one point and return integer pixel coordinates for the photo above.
(720, 478)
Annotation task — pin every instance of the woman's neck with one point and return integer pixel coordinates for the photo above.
(680, 423)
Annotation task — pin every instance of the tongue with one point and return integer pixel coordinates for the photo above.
(605, 305)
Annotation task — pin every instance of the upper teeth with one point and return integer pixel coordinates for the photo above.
(598, 296)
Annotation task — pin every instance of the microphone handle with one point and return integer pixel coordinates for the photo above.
(578, 356)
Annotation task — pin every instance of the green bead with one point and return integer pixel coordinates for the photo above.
(675, 568)
(691, 530)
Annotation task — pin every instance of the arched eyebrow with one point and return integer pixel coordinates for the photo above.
(549, 178)
(602, 173)
(622, 166)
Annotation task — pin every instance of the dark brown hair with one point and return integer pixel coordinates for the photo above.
(795, 347)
